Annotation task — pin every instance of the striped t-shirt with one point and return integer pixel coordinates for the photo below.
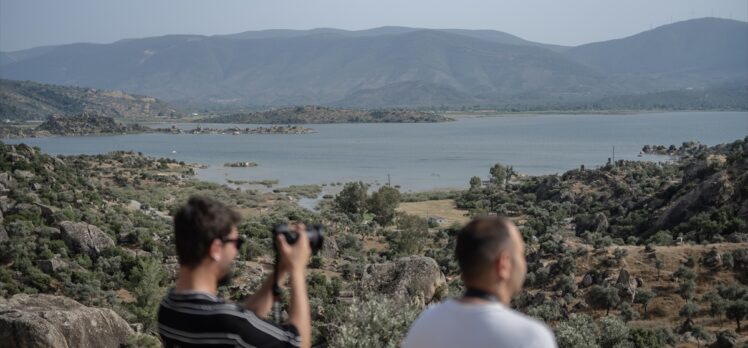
(199, 319)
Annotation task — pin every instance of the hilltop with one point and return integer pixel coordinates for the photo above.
(26, 100)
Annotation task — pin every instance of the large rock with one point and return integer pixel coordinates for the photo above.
(329, 248)
(48, 212)
(712, 192)
(51, 266)
(412, 278)
(586, 281)
(23, 174)
(3, 234)
(592, 223)
(56, 321)
(626, 285)
(7, 180)
(85, 238)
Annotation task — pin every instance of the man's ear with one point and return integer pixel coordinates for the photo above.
(503, 265)
(215, 251)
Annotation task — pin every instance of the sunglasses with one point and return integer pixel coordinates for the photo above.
(238, 241)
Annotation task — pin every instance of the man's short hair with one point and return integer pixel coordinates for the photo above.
(479, 243)
(197, 224)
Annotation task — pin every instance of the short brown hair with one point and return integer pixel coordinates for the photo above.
(197, 224)
(479, 242)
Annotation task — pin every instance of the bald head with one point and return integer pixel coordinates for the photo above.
(481, 243)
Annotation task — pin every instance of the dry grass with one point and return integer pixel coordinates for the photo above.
(444, 208)
(665, 307)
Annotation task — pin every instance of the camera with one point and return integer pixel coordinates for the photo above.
(314, 232)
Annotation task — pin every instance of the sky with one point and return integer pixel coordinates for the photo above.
(31, 23)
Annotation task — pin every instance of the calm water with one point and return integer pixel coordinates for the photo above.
(420, 156)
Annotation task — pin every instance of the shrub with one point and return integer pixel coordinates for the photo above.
(577, 332)
(377, 322)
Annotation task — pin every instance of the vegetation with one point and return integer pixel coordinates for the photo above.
(320, 114)
(26, 100)
(684, 258)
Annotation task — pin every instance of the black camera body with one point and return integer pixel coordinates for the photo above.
(314, 232)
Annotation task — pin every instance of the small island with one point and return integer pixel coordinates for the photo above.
(240, 164)
(311, 114)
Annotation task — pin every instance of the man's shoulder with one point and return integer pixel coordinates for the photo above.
(527, 326)
(493, 322)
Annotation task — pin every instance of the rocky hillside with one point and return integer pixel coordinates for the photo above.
(85, 124)
(319, 114)
(25, 100)
(633, 254)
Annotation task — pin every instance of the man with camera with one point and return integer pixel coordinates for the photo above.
(491, 256)
(207, 241)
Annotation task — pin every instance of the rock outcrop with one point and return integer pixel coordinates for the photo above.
(626, 285)
(85, 238)
(329, 248)
(409, 279)
(592, 223)
(58, 322)
(714, 191)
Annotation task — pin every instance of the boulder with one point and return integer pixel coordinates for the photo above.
(85, 238)
(48, 212)
(14, 157)
(7, 180)
(626, 285)
(56, 321)
(23, 174)
(714, 191)
(593, 223)
(587, 281)
(329, 248)
(726, 339)
(51, 265)
(5, 204)
(3, 234)
(25, 150)
(623, 277)
(409, 279)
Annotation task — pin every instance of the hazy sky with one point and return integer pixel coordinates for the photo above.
(31, 23)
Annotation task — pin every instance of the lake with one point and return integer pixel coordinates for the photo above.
(420, 156)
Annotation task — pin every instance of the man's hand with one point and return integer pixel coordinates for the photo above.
(294, 258)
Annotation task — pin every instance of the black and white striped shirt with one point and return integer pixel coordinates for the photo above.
(199, 319)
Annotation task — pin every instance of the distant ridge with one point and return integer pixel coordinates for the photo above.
(393, 66)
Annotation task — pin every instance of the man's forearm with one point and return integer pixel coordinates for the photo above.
(261, 302)
(300, 314)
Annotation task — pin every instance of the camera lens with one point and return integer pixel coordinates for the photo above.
(315, 233)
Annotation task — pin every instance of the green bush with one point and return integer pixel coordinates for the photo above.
(376, 322)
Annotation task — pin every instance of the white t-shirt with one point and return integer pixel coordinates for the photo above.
(454, 324)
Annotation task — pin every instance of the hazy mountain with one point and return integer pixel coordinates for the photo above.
(24, 100)
(488, 35)
(691, 53)
(306, 69)
(392, 66)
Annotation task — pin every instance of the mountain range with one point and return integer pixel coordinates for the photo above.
(393, 66)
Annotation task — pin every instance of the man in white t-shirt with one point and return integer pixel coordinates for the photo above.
(491, 255)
